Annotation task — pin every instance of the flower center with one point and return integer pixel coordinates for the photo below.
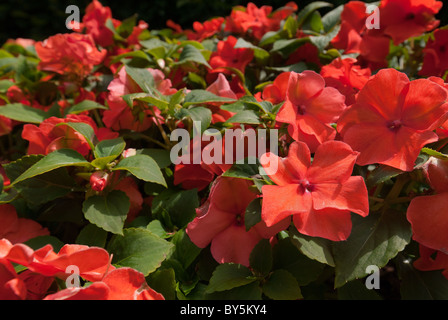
(410, 16)
(394, 125)
(301, 109)
(306, 186)
(239, 220)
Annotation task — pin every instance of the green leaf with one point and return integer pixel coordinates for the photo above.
(161, 156)
(421, 285)
(288, 257)
(247, 170)
(191, 54)
(315, 248)
(200, 114)
(22, 113)
(142, 77)
(245, 116)
(332, 18)
(139, 249)
(381, 174)
(228, 276)
(199, 96)
(84, 129)
(305, 12)
(357, 290)
(260, 54)
(85, 105)
(110, 148)
(107, 211)
(185, 250)
(56, 159)
(322, 41)
(179, 205)
(374, 240)
(142, 167)
(41, 241)
(253, 213)
(92, 235)
(434, 153)
(281, 285)
(260, 258)
(164, 282)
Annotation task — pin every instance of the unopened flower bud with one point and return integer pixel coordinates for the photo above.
(98, 180)
(129, 153)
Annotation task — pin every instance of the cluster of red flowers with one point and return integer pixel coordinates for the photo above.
(338, 120)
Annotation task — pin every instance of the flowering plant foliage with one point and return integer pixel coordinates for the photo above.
(349, 124)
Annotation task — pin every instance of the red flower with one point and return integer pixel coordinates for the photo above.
(11, 286)
(94, 21)
(257, 21)
(16, 229)
(402, 19)
(346, 76)
(120, 115)
(205, 30)
(50, 136)
(320, 196)
(427, 214)
(120, 284)
(435, 59)
(227, 56)
(221, 87)
(276, 91)
(220, 222)
(98, 180)
(354, 37)
(69, 53)
(393, 118)
(310, 108)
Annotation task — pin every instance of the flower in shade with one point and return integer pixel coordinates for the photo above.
(16, 229)
(393, 118)
(403, 19)
(320, 195)
(435, 59)
(310, 108)
(220, 222)
(430, 260)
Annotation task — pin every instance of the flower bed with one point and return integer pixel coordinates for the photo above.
(271, 154)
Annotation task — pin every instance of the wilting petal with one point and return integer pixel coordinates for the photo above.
(330, 224)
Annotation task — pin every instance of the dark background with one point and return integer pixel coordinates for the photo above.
(39, 19)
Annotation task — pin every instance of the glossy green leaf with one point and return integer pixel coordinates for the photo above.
(107, 211)
(139, 249)
(22, 113)
(228, 276)
(56, 159)
(374, 240)
(281, 285)
(142, 167)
